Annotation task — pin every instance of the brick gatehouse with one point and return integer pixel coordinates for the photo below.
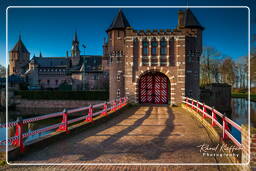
(154, 66)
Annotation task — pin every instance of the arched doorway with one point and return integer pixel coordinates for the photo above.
(154, 87)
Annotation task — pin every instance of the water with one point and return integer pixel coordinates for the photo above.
(240, 114)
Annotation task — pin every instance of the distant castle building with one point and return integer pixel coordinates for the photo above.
(158, 66)
(82, 72)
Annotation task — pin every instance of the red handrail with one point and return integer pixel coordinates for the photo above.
(17, 140)
(201, 107)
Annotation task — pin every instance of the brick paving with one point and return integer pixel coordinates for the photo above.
(143, 134)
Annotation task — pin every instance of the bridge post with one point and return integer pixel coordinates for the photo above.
(197, 106)
(213, 117)
(120, 103)
(89, 116)
(114, 106)
(224, 127)
(64, 126)
(125, 100)
(186, 101)
(19, 130)
(204, 111)
(105, 108)
(192, 104)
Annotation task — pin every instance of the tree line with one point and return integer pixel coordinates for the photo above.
(218, 68)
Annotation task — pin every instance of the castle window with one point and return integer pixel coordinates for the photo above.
(118, 77)
(145, 47)
(118, 93)
(163, 46)
(154, 47)
(118, 33)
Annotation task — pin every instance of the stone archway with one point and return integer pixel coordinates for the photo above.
(154, 88)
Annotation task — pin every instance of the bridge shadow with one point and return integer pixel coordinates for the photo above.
(107, 143)
(66, 144)
(157, 145)
(150, 150)
(76, 144)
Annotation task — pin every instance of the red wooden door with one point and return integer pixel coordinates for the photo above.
(153, 88)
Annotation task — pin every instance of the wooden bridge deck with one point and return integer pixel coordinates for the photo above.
(142, 134)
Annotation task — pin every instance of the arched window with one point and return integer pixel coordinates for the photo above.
(153, 47)
(163, 45)
(145, 47)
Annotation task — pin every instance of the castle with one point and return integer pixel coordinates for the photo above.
(158, 66)
(151, 66)
(81, 72)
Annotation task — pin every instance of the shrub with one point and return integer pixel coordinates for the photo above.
(63, 95)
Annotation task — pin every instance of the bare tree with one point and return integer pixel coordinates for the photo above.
(227, 71)
(209, 65)
(2, 71)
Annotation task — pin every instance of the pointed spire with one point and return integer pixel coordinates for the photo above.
(75, 37)
(119, 22)
(40, 55)
(75, 46)
(190, 21)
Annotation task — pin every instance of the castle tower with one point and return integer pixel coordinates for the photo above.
(75, 52)
(18, 58)
(189, 24)
(154, 66)
(115, 50)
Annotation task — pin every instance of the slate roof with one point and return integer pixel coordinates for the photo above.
(190, 21)
(119, 22)
(91, 63)
(51, 61)
(20, 47)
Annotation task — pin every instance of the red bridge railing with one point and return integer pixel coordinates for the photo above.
(90, 112)
(214, 115)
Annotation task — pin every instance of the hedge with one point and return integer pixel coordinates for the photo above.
(244, 95)
(64, 95)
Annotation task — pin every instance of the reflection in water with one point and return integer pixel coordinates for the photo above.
(239, 115)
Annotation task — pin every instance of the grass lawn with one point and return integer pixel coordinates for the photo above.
(244, 95)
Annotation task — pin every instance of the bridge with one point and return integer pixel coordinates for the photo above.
(119, 132)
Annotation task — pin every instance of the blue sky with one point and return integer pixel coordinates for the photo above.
(51, 30)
